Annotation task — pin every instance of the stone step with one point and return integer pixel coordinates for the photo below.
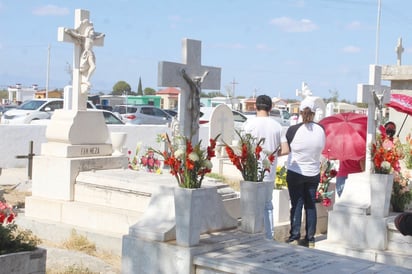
(91, 216)
(131, 190)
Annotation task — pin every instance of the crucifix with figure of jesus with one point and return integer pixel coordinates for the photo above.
(84, 39)
(191, 76)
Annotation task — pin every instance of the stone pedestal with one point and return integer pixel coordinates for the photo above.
(281, 206)
(54, 177)
(77, 127)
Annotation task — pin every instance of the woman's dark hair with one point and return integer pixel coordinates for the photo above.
(307, 115)
(390, 129)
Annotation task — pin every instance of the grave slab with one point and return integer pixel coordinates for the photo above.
(236, 252)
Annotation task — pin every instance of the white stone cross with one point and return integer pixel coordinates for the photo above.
(84, 38)
(399, 50)
(191, 77)
(376, 96)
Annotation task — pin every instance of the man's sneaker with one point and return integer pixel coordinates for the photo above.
(307, 243)
(292, 242)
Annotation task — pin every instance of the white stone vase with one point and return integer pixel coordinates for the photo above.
(381, 190)
(252, 204)
(281, 205)
(118, 140)
(189, 206)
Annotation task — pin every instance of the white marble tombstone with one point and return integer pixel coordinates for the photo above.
(221, 122)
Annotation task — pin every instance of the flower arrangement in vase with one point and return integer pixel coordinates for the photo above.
(188, 163)
(327, 173)
(249, 157)
(386, 153)
(401, 192)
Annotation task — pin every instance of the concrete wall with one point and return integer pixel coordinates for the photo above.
(15, 139)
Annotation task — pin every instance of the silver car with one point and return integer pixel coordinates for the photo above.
(148, 115)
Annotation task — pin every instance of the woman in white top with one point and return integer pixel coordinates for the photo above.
(306, 141)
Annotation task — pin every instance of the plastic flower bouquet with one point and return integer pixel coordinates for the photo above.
(401, 192)
(249, 157)
(133, 159)
(149, 162)
(327, 173)
(408, 151)
(188, 163)
(386, 153)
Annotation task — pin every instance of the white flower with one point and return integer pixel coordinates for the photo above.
(385, 165)
(208, 164)
(266, 164)
(194, 157)
(179, 153)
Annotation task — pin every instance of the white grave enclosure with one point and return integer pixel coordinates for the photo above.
(76, 138)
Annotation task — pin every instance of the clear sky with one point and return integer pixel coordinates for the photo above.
(266, 46)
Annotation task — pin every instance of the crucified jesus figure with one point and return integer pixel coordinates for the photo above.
(194, 98)
(85, 35)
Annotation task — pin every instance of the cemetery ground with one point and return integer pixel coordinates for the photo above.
(74, 255)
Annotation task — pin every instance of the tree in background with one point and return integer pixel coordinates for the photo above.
(139, 88)
(149, 91)
(216, 94)
(121, 87)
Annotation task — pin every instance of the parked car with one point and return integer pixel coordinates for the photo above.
(148, 115)
(4, 108)
(109, 117)
(280, 115)
(124, 110)
(35, 109)
(171, 112)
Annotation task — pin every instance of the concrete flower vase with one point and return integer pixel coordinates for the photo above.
(189, 206)
(252, 203)
(118, 141)
(381, 190)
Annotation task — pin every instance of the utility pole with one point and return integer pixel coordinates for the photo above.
(48, 72)
(378, 27)
(234, 83)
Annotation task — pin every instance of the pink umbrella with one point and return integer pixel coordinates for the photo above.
(345, 136)
(401, 103)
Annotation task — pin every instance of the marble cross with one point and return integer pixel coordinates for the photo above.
(399, 50)
(190, 76)
(84, 38)
(376, 96)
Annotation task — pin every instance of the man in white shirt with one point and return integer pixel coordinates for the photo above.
(263, 126)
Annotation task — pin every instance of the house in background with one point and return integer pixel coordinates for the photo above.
(169, 98)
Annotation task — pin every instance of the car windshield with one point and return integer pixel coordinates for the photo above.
(32, 105)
